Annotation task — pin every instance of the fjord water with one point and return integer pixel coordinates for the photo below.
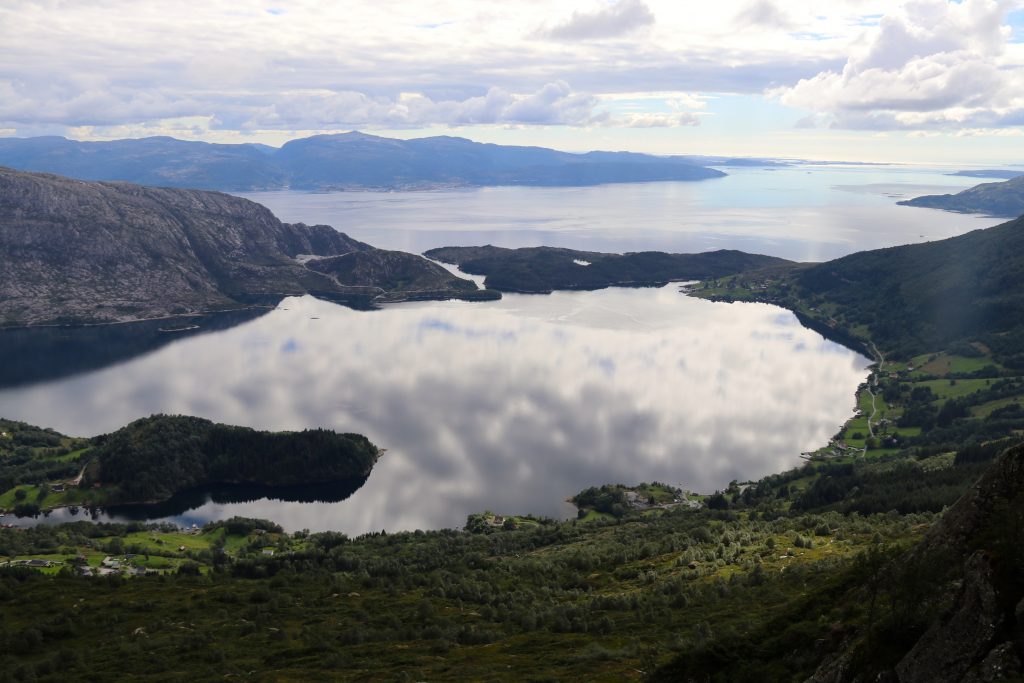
(802, 213)
(517, 404)
(510, 406)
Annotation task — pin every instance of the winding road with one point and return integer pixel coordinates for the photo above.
(873, 382)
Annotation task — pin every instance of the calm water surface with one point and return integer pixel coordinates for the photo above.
(510, 406)
(804, 213)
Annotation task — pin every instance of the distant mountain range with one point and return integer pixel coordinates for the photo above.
(84, 252)
(995, 199)
(344, 161)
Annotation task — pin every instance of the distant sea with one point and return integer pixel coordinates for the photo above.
(805, 213)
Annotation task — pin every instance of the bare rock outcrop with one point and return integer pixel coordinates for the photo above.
(73, 251)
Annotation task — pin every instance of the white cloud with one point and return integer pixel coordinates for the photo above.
(439, 63)
(990, 132)
(622, 18)
(653, 120)
(677, 100)
(120, 62)
(25, 101)
(553, 104)
(764, 13)
(929, 63)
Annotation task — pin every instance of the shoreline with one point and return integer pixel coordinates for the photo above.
(131, 321)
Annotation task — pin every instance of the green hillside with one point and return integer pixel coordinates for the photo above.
(995, 199)
(908, 300)
(923, 297)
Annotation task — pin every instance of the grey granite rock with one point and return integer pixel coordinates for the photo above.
(73, 251)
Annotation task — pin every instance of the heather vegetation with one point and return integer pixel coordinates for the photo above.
(767, 589)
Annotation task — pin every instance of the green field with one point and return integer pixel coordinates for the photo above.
(943, 364)
(70, 496)
(985, 409)
(955, 388)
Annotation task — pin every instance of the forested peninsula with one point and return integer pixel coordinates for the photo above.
(995, 199)
(541, 270)
(154, 458)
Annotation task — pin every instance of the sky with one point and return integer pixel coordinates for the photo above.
(922, 81)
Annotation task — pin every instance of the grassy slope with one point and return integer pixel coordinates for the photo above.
(922, 298)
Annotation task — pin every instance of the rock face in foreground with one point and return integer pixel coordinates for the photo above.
(84, 252)
(994, 199)
(979, 632)
(969, 573)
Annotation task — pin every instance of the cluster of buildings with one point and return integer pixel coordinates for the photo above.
(113, 565)
(110, 565)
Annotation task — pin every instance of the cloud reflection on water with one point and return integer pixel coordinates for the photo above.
(511, 405)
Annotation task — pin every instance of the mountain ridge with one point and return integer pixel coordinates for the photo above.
(85, 252)
(909, 299)
(352, 160)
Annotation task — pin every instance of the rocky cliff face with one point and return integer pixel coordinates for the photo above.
(974, 565)
(979, 633)
(75, 252)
